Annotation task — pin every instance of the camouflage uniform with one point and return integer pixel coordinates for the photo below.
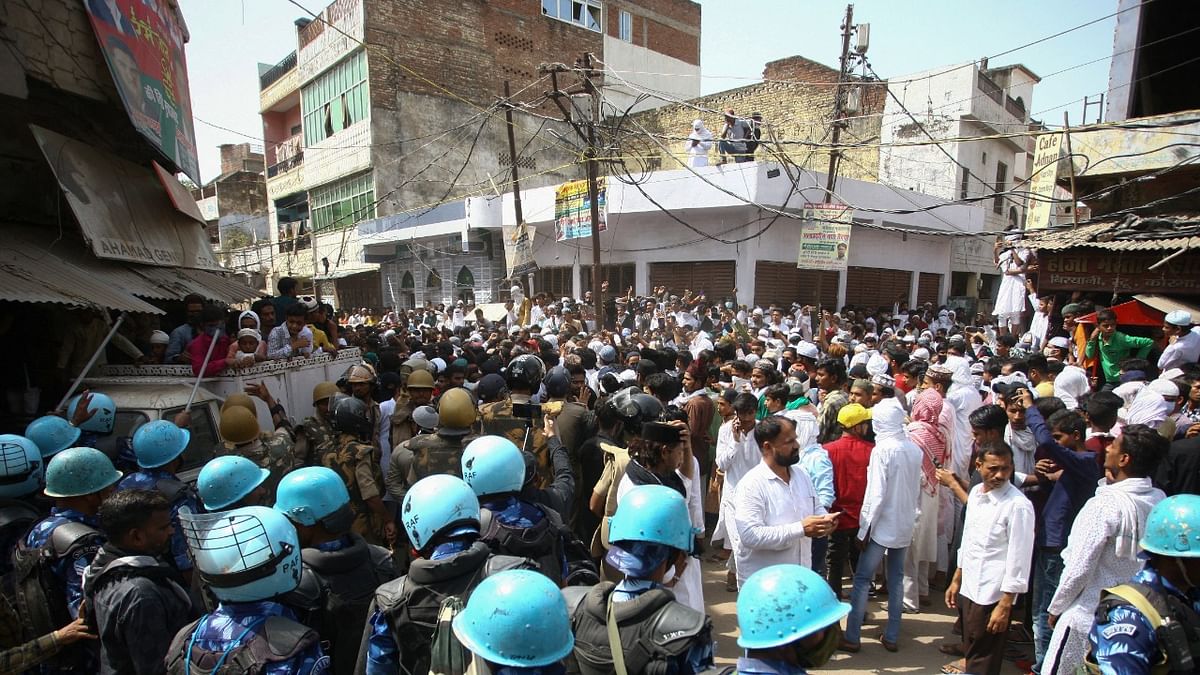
(496, 419)
(435, 453)
(16, 657)
(275, 452)
(319, 440)
(358, 465)
(403, 426)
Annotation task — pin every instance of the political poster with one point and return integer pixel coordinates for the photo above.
(573, 210)
(825, 237)
(518, 249)
(143, 44)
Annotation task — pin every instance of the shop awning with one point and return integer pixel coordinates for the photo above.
(1145, 310)
(123, 209)
(37, 265)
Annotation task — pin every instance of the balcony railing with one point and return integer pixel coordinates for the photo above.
(277, 71)
(289, 154)
(991, 89)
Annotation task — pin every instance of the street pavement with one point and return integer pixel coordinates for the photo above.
(920, 634)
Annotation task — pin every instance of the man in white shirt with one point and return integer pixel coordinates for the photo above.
(736, 455)
(887, 520)
(1185, 341)
(777, 511)
(993, 560)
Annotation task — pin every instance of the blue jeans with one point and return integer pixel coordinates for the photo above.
(868, 562)
(1047, 570)
(820, 551)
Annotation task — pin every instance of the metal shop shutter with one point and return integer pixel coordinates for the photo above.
(715, 278)
(928, 286)
(875, 287)
(619, 277)
(359, 290)
(779, 283)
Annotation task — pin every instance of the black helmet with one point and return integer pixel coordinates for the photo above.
(558, 382)
(635, 408)
(525, 372)
(350, 416)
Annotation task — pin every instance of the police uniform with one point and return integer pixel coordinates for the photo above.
(16, 517)
(274, 452)
(180, 494)
(1124, 641)
(437, 453)
(358, 465)
(320, 438)
(259, 636)
(496, 419)
(403, 427)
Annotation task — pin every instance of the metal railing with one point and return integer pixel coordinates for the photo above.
(277, 71)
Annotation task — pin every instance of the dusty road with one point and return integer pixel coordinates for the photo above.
(920, 635)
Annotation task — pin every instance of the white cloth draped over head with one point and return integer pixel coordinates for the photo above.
(887, 420)
(1070, 384)
(1149, 408)
(252, 315)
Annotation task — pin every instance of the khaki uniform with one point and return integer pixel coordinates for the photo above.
(496, 419)
(615, 461)
(434, 454)
(358, 465)
(403, 426)
(275, 452)
(319, 440)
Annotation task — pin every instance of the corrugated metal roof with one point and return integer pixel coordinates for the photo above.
(232, 288)
(32, 273)
(1157, 233)
(181, 282)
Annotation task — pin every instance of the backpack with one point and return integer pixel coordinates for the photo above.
(36, 593)
(277, 640)
(448, 656)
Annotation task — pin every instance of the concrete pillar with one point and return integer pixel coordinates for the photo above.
(641, 276)
(841, 293)
(914, 285)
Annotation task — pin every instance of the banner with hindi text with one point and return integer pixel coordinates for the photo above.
(573, 210)
(825, 237)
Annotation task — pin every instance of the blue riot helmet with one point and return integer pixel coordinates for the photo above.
(1173, 527)
(158, 443)
(783, 603)
(516, 618)
(75, 472)
(226, 480)
(52, 434)
(439, 505)
(493, 465)
(650, 526)
(106, 413)
(244, 555)
(21, 466)
(314, 495)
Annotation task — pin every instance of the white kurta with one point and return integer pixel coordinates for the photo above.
(735, 458)
(769, 520)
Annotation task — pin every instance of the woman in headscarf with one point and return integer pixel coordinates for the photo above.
(926, 431)
(698, 143)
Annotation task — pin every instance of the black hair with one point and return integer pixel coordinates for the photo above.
(258, 305)
(286, 285)
(914, 368)
(1055, 367)
(994, 369)
(769, 428)
(662, 386)
(587, 356)
(211, 313)
(997, 449)
(1037, 362)
(128, 510)
(898, 356)
(1007, 340)
(1129, 364)
(745, 402)
(834, 367)
(778, 392)
(193, 299)
(296, 309)
(1048, 405)
(1105, 315)
(1018, 365)
(1068, 422)
(1145, 447)
(646, 368)
(1102, 408)
(989, 418)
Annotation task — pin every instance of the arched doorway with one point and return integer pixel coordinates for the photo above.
(464, 286)
(408, 296)
(433, 287)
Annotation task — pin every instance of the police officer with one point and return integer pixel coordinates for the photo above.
(362, 382)
(94, 413)
(441, 452)
(631, 408)
(495, 470)
(231, 482)
(419, 390)
(789, 620)
(341, 570)
(317, 432)
(247, 557)
(1152, 624)
(274, 451)
(357, 462)
(78, 480)
(159, 447)
(53, 434)
(441, 516)
(21, 472)
(523, 376)
(651, 533)
(516, 622)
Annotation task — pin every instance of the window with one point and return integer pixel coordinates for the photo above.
(342, 203)
(984, 159)
(965, 185)
(585, 13)
(1001, 177)
(433, 287)
(336, 99)
(626, 27)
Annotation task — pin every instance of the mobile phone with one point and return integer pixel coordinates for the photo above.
(527, 411)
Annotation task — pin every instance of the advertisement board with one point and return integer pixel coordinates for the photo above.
(825, 237)
(573, 210)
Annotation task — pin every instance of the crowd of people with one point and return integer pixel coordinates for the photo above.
(536, 493)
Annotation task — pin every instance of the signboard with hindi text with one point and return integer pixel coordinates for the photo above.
(825, 237)
(142, 42)
(518, 250)
(573, 210)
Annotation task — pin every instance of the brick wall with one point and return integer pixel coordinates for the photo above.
(796, 100)
(239, 157)
(671, 27)
(56, 45)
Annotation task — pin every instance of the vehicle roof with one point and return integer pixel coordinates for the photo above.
(152, 394)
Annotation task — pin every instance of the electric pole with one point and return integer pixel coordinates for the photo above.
(587, 133)
(838, 104)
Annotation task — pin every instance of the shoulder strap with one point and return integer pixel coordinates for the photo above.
(171, 488)
(1133, 595)
(614, 640)
(66, 537)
